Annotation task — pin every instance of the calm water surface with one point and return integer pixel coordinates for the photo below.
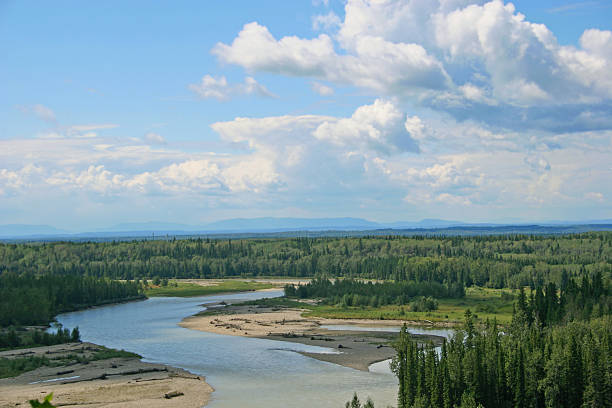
(245, 372)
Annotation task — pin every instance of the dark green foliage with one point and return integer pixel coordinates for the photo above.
(35, 300)
(355, 403)
(350, 292)
(106, 353)
(75, 335)
(588, 298)
(509, 261)
(12, 338)
(565, 366)
(45, 404)
(424, 304)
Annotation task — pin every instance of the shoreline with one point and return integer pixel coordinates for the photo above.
(355, 349)
(125, 382)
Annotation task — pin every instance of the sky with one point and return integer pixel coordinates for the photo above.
(389, 110)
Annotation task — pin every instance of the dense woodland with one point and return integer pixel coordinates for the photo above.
(489, 261)
(12, 338)
(527, 366)
(555, 353)
(350, 292)
(35, 300)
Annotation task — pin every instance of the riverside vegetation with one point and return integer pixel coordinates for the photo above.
(556, 352)
(543, 302)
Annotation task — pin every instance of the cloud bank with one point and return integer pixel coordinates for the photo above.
(472, 110)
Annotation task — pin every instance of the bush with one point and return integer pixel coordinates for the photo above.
(424, 304)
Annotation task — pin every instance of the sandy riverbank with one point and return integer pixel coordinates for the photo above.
(356, 349)
(116, 382)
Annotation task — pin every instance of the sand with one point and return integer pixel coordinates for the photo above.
(254, 321)
(249, 321)
(117, 382)
(357, 349)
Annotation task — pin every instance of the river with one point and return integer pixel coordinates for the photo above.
(245, 372)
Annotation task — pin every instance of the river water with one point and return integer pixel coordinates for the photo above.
(245, 372)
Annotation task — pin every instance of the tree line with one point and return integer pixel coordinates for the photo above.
(13, 338)
(565, 366)
(575, 300)
(350, 292)
(35, 300)
(510, 261)
(555, 353)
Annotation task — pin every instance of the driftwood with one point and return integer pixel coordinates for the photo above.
(104, 376)
(141, 371)
(173, 394)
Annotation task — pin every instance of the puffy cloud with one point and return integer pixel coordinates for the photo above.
(397, 21)
(379, 127)
(523, 60)
(211, 87)
(597, 42)
(376, 64)
(473, 59)
(254, 174)
(187, 177)
(94, 178)
(326, 22)
(17, 180)
(415, 127)
(220, 89)
(364, 160)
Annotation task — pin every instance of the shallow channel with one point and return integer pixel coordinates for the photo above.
(245, 372)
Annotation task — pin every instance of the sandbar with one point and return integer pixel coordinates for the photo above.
(115, 382)
(356, 349)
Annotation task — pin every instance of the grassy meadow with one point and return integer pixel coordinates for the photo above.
(485, 303)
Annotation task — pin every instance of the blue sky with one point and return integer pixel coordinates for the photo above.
(389, 110)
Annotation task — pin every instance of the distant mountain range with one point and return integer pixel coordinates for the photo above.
(16, 230)
(265, 225)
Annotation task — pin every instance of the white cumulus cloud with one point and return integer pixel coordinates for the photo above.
(375, 63)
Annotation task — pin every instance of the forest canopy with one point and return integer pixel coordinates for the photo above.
(511, 261)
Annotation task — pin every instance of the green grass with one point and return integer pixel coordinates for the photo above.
(106, 353)
(17, 366)
(185, 289)
(483, 302)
